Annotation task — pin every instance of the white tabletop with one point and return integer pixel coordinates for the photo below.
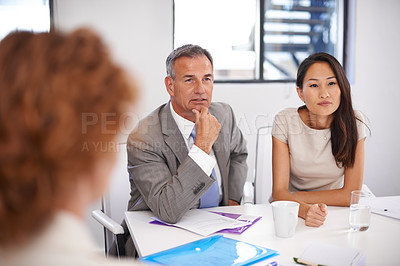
(380, 243)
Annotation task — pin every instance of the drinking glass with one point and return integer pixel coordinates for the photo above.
(360, 210)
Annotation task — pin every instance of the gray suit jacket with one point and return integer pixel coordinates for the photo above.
(166, 180)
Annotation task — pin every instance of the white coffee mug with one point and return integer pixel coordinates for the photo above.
(285, 215)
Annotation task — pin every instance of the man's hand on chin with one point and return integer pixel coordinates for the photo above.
(207, 129)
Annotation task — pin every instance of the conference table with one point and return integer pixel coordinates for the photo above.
(380, 243)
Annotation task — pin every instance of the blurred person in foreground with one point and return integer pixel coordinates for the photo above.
(51, 164)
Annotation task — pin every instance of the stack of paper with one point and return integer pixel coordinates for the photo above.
(386, 207)
(205, 223)
(324, 254)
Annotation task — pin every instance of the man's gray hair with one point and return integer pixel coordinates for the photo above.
(188, 50)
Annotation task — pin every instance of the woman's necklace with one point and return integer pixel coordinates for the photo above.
(325, 135)
(310, 122)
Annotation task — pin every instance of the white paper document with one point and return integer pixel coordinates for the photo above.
(386, 207)
(320, 253)
(205, 223)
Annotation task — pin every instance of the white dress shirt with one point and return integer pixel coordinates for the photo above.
(207, 162)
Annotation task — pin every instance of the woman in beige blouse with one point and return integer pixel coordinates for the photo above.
(318, 148)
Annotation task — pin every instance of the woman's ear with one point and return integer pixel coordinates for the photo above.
(300, 93)
(169, 85)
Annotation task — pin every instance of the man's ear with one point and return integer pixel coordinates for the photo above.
(300, 93)
(169, 85)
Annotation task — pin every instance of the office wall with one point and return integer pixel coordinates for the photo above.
(140, 35)
(376, 90)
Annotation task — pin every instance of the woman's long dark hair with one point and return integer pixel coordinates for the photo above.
(344, 127)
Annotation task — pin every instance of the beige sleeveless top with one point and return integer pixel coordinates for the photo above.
(312, 164)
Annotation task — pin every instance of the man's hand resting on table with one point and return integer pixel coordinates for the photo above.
(233, 203)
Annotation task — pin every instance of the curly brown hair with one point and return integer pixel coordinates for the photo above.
(48, 82)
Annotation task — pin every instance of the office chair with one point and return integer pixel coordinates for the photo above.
(115, 228)
(262, 182)
(114, 204)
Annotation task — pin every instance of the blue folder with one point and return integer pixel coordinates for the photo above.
(214, 250)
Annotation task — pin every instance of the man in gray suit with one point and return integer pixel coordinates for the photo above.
(172, 170)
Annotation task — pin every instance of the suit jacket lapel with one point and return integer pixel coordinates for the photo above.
(172, 136)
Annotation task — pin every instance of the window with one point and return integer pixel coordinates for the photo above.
(260, 40)
(29, 15)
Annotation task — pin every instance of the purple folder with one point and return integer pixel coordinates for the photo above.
(237, 230)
